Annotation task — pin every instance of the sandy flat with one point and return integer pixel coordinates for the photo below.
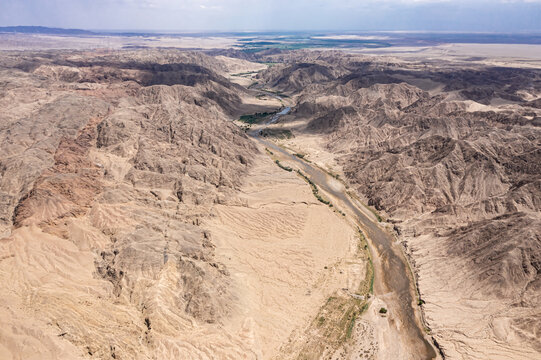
(514, 55)
(49, 42)
(276, 245)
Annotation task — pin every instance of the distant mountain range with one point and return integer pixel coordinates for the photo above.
(304, 39)
(44, 30)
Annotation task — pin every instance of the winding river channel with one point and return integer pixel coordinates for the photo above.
(393, 278)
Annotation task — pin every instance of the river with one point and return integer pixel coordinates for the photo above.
(393, 278)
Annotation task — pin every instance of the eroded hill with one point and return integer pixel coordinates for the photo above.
(109, 167)
(450, 152)
(137, 221)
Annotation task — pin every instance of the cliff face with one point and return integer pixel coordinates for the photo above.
(451, 154)
(109, 164)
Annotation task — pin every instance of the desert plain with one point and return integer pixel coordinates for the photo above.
(163, 202)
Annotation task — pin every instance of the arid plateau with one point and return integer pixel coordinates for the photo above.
(160, 203)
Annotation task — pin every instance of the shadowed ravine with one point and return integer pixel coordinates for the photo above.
(393, 276)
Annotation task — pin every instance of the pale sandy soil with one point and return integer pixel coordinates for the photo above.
(243, 80)
(313, 147)
(477, 326)
(251, 104)
(241, 71)
(274, 237)
(49, 42)
(374, 336)
(305, 143)
(514, 55)
(45, 276)
(235, 65)
(449, 316)
(276, 241)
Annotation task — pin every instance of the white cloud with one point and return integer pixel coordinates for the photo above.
(454, 15)
(206, 4)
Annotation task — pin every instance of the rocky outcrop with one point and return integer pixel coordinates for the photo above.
(111, 163)
(456, 163)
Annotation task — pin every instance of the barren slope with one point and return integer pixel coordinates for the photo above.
(450, 153)
(138, 222)
(106, 177)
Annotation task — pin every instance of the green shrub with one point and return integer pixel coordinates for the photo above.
(286, 168)
(351, 325)
(277, 133)
(315, 190)
(255, 118)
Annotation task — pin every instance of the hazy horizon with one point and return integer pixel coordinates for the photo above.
(281, 31)
(479, 16)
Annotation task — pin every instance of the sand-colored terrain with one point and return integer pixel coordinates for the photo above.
(138, 221)
(510, 55)
(133, 229)
(383, 128)
(105, 182)
(52, 42)
(285, 252)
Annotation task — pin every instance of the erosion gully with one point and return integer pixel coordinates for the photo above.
(393, 279)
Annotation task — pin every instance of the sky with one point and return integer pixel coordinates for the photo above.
(275, 15)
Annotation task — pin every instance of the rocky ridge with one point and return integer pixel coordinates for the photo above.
(111, 162)
(450, 153)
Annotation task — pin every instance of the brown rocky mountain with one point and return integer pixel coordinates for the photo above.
(137, 221)
(123, 160)
(451, 154)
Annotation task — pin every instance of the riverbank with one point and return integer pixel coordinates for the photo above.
(394, 283)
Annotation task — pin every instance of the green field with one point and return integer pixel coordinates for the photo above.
(255, 118)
